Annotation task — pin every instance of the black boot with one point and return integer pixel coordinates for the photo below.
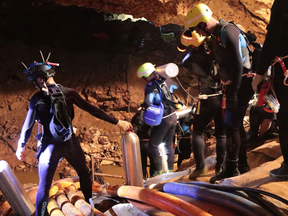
(231, 170)
(157, 169)
(243, 166)
(221, 152)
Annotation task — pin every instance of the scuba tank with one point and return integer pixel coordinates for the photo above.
(132, 159)
(183, 112)
(14, 192)
(166, 71)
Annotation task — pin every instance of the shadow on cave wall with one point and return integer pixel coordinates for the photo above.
(79, 38)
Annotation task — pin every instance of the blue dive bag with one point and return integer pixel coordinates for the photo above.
(153, 114)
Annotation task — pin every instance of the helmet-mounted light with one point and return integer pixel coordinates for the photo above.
(38, 69)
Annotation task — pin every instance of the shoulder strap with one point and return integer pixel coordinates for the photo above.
(222, 37)
(168, 95)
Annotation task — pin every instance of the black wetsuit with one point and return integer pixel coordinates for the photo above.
(201, 64)
(52, 150)
(234, 62)
(276, 44)
(163, 132)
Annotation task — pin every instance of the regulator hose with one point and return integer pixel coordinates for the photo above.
(252, 195)
(230, 188)
(226, 200)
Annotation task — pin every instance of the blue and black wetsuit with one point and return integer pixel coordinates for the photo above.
(276, 44)
(52, 150)
(201, 64)
(232, 56)
(165, 131)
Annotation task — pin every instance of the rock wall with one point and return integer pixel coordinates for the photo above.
(252, 14)
(97, 58)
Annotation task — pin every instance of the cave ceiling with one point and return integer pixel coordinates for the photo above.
(253, 15)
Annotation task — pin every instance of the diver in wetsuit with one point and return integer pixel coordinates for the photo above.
(166, 130)
(231, 54)
(276, 45)
(51, 149)
(199, 62)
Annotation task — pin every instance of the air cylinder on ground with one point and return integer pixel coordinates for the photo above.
(14, 192)
(132, 159)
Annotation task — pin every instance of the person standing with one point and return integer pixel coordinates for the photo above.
(232, 56)
(199, 61)
(165, 131)
(261, 114)
(42, 75)
(275, 48)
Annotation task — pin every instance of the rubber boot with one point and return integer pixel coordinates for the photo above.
(157, 168)
(198, 146)
(280, 173)
(221, 153)
(197, 172)
(231, 170)
(243, 166)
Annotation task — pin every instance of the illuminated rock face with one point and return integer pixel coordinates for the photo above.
(97, 59)
(252, 14)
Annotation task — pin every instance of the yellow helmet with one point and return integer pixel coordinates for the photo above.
(145, 70)
(191, 38)
(199, 13)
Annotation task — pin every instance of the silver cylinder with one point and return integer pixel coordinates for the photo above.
(14, 192)
(184, 112)
(132, 159)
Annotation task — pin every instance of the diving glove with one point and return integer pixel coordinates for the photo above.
(124, 125)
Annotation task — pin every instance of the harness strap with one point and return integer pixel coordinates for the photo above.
(249, 74)
(280, 60)
(205, 96)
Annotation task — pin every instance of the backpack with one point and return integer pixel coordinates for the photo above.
(248, 38)
(168, 96)
(154, 113)
(61, 124)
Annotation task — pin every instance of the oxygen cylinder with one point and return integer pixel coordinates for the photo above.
(183, 112)
(14, 192)
(169, 70)
(132, 159)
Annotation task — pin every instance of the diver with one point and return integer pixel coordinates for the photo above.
(231, 53)
(209, 106)
(157, 92)
(52, 150)
(275, 51)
